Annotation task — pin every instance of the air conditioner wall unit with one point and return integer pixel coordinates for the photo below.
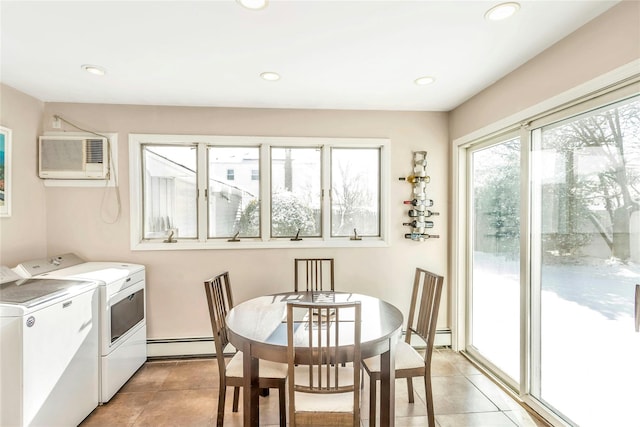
(73, 157)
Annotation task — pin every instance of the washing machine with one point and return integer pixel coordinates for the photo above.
(48, 350)
(121, 312)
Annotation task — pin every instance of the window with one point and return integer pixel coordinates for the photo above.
(355, 199)
(169, 191)
(548, 254)
(232, 208)
(585, 259)
(295, 192)
(494, 250)
(250, 192)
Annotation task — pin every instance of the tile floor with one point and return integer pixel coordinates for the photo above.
(185, 393)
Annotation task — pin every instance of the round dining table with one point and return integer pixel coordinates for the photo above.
(258, 327)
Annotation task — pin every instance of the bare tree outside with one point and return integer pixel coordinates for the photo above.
(601, 182)
(354, 192)
(593, 190)
(497, 199)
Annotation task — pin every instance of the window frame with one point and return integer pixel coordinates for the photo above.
(207, 151)
(322, 192)
(329, 222)
(143, 183)
(137, 141)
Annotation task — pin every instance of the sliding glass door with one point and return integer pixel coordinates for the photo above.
(494, 254)
(552, 260)
(585, 264)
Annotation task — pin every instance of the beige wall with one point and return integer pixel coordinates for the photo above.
(606, 43)
(176, 304)
(23, 234)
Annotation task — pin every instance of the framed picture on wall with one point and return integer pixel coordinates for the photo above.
(5, 171)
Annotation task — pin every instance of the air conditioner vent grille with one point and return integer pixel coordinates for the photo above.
(94, 151)
(63, 155)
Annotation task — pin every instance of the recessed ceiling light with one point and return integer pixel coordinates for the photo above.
(253, 4)
(423, 81)
(502, 11)
(270, 76)
(94, 69)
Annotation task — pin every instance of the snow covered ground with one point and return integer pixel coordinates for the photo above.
(589, 348)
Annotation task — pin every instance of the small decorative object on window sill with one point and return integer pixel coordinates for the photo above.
(419, 200)
(355, 235)
(170, 239)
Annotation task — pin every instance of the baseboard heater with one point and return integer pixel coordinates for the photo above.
(204, 347)
(180, 348)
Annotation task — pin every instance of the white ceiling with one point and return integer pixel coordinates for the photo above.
(330, 54)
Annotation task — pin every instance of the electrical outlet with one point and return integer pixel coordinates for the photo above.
(57, 123)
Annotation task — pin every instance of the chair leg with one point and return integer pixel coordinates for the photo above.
(221, 398)
(410, 389)
(373, 401)
(429, 401)
(283, 406)
(236, 398)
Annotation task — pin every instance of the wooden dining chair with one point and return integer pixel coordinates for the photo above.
(322, 391)
(315, 274)
(423, 316)
(272, 375)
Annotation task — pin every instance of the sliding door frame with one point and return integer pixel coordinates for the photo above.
(581, 98)
(495, 140)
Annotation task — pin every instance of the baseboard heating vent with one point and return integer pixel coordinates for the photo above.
(181, 348)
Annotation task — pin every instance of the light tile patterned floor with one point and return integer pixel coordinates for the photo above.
(185, 393)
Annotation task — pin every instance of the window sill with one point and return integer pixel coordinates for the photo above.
(257, 244)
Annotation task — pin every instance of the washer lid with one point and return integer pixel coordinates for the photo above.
(31, 292)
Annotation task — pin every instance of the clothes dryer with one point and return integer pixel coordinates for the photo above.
(121, 307)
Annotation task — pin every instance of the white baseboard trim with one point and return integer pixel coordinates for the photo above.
(180, 347)
(204, 347)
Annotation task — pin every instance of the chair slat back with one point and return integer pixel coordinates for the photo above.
(425, 303)
(315, 274)
(220, 301)
(318, 336)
